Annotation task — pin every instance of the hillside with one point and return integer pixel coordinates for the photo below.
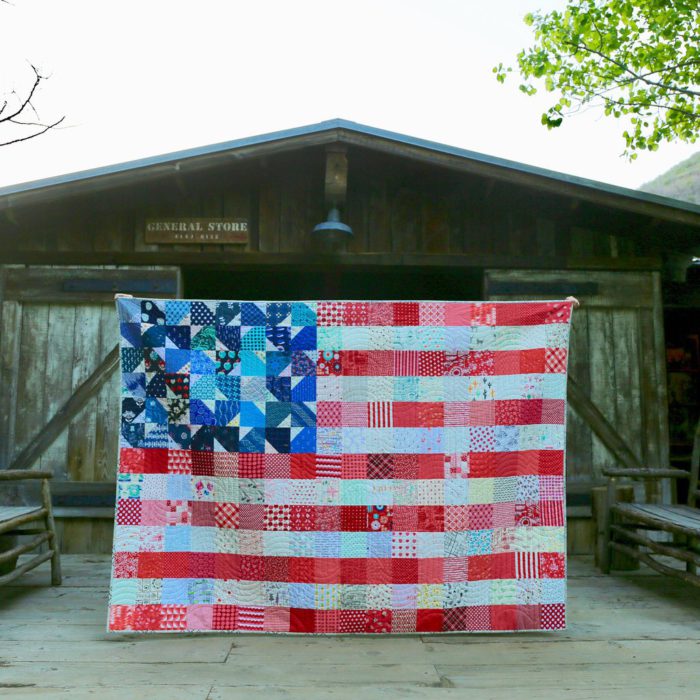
(682, 181)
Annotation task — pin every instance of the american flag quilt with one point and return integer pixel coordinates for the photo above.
(341, 466)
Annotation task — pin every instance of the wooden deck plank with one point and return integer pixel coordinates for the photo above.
(626, 632)
(171, 692)
(276, 672)
(580, 676)
(143, 650)
(286, 692)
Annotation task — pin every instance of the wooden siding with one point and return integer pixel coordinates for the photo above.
(46, 351)
(395, 206)
(616, 357)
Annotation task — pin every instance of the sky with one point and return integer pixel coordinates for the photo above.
(141, 78)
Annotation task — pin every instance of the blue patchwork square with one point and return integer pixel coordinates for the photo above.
(303, 338)
(252, 415)
(178, 538)
(278, 313)
(253, 338)
(252, 440)
(176, 360)
(479, 542)
(174, 591)
(303, 440)
(252, 314)
(301, 595)
(179, 487)
(228, 386)
(327, 544)
(379, 544)
(303, 388)
(278, 363)
(303, 314)
(253, 363)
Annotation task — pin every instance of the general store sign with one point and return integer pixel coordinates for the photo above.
(196, 230)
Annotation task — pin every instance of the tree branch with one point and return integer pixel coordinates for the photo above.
(627, 69)
(27, 101)
(31, 136)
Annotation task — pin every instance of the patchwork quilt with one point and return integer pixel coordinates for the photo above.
(341, 466)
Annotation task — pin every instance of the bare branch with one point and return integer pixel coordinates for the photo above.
(31, 136)
(27, 102)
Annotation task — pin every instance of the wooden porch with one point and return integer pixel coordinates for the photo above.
(631, 635)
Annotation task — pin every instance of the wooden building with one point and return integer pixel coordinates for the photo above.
(429, 222)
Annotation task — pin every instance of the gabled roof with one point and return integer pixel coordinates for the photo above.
(352, 133)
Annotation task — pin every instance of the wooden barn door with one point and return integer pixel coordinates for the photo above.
(617, 411)
(58, 367)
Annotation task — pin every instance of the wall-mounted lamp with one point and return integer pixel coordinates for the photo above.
(333, 229)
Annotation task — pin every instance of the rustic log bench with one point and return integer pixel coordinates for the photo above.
(13, 522)
(624, 521)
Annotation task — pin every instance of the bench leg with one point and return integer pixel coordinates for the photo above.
(605, 553)
(51, 527)
(694, 545)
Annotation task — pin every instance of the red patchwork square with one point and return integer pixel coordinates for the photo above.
(252, 516)
(404, 571)
(431, 466)
(224, 617)
(252, 568)
(504, 617)
(354, 466)
(125, 564)
(378, 621)
(355, 362)
(303, 466)
(277, 517)
(204, 513)
(552, 564)
(406, 466)
(532, 361)
(353, 518)
(202, 463)
(356, 313)
(251, 465)
(329, 414)
(302, 620)
(429, 621)
(179, 462)
(278, 466)
(301, 570)
(406, 313)
(555, 360)
(431, 363)
(129, 511)
(303, 518)
(226, 515)
(276, 569)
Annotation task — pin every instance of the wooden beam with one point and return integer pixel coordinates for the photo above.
(657, 566)
(59, 422)
(38, 559)
(13, 553)
(336, 182)
(79, 512)
(230, 258)
(600, 426)
(80, 285)
(7, 525)
(21, 474)
(660, 548)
